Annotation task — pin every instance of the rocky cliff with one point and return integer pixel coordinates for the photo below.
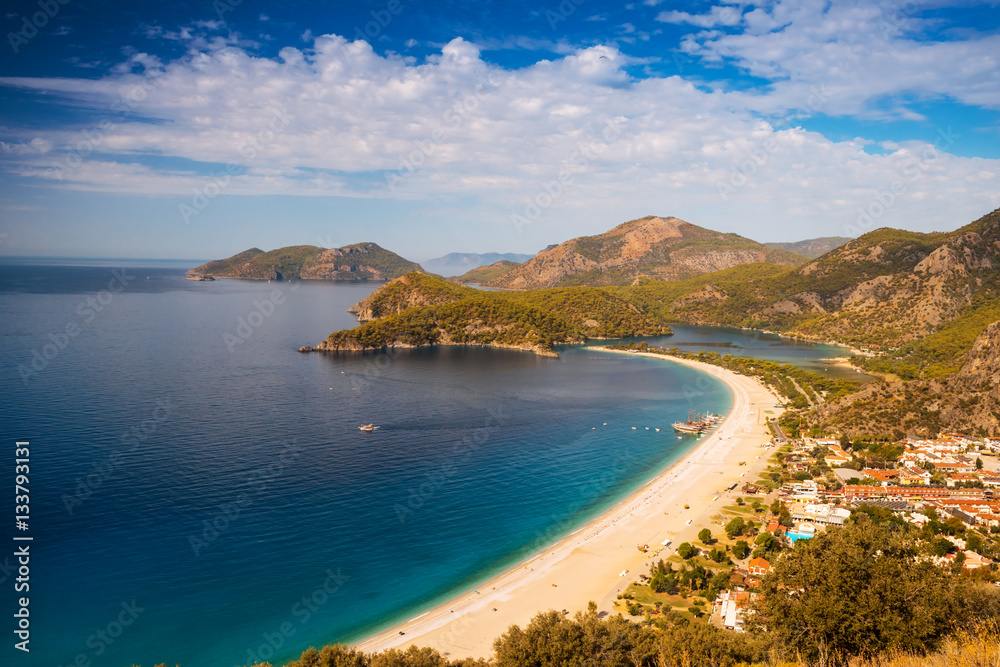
(651, 247)
(967, 401)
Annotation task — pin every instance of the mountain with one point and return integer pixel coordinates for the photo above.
(360, 261)
(650, 247)
(888, 287)
(484, 274)
(457, 263)
(416, 310)
(812, 248)
(925, 307)
(967, 401)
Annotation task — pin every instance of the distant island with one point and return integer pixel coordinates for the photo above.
(360, 261)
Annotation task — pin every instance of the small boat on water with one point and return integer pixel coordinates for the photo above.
(367, 428)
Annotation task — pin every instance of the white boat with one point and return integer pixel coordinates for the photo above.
(367, 428)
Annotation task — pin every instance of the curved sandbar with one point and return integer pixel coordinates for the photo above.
(586, 565)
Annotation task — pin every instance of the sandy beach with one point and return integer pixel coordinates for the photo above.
(589, 564)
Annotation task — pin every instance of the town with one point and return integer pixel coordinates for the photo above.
(948, 488)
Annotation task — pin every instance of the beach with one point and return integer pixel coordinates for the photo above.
(598, 561)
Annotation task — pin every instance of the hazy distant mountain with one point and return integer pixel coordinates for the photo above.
(650, 247)
(457, 263)
(360, 261)
(812, 248)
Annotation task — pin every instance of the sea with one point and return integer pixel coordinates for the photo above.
(199, 492)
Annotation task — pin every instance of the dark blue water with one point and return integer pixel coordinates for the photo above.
(201, 494)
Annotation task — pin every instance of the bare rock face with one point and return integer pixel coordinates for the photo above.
(349, 263)
(653, 247)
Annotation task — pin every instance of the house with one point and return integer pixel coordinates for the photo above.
(758, 567)
(884, 476)
(913, 476)
(960, 478)
(819, 513)
(731, 607)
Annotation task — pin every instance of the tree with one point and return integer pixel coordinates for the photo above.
(735, 527)
(741, 549)
(766, 541)
(705, 535)
(942, 546)
(858, 590)
(686, 551)
(979, 463)
(739, 501)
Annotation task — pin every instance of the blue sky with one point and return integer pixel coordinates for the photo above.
(198, 129)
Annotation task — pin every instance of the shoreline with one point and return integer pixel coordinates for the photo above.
(598, 560)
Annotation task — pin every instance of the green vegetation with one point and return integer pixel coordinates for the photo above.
(864, 590)
(360, 261)
(785, 379)
(483, 274)
(863, 595)
(537, 319)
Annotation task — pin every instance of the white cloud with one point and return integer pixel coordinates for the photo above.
(861, 53)
(457, 127)
(717, 16)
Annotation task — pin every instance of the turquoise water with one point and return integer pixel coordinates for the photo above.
(201, 493)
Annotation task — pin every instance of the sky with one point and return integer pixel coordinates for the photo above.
(196, 130)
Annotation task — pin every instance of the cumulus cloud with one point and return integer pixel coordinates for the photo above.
(572, 136)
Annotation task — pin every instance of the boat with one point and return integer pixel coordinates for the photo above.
(688, 427)
(367, 428)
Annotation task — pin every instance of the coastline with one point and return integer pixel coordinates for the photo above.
(588, 564)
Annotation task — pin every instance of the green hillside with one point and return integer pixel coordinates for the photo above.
(360, 261)
(422, 310)
(482, 274)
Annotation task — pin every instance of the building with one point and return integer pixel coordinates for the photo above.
(758, 567)
(826, 515)
(856, 493)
